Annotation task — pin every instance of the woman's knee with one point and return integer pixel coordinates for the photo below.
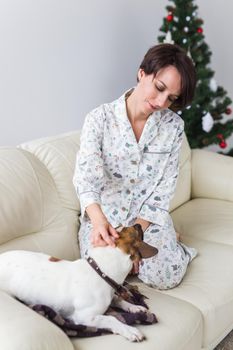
(161, 283)
(163, 277)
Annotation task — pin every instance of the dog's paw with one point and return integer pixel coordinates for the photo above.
(137, 308)
(133, 334)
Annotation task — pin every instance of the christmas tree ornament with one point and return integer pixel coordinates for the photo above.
(223, 144)
(194, 14)
(168, 38)
(228, 110)
(188, 18)
(207, 122)
(170, 17)
(184, 41)
(213, 85)
(175, 19)
(199, 30)
(179, 112)
(186, 29)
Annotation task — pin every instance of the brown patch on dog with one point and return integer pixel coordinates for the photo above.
(131, 242)
(53, 259)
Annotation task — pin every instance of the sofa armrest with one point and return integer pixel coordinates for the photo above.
(22, 328)
(212, 175)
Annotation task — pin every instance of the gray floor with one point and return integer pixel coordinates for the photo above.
(226, 343)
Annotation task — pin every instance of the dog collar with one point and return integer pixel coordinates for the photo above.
(119, 289)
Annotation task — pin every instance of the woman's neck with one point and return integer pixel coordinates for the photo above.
(136, 119)
(132, 108)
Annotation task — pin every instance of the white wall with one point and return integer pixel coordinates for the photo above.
(61, 58)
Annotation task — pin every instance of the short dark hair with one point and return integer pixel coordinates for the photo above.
(163, 55)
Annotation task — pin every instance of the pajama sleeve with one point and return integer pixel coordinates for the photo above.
(88, 175)
(155, 208)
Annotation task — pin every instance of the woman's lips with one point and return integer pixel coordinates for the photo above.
(152, 107)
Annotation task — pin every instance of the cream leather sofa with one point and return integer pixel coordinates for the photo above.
(39, 211)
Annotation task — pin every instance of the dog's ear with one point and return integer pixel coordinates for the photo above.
(138, 228)
(146, 250)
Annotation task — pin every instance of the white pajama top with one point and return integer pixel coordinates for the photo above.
(129, 179)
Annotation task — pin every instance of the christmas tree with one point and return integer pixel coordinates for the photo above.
(204, 117)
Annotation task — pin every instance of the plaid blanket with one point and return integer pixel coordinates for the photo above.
(77, 330)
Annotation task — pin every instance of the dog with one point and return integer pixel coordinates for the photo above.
(73, 288)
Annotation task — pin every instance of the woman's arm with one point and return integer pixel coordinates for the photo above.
(88, 175)
(88, 178)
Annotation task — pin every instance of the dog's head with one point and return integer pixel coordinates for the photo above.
(131, 242)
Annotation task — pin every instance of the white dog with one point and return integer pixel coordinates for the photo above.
(74, 289)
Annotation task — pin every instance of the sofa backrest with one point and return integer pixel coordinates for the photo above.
(58, 154)
(183, 187)
(31, 215)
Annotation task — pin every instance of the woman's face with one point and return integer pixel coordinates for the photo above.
(158, 92)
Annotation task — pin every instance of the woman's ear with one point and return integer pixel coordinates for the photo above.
(140, 74)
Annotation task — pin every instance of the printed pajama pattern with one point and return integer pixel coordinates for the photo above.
(131, 180)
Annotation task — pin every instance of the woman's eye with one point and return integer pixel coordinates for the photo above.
(171, 99)
(159, 88)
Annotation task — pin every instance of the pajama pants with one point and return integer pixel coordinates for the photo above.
(162, 271)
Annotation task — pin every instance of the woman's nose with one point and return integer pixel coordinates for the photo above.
(161, 100)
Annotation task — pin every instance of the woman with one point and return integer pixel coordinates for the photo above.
(127, 166)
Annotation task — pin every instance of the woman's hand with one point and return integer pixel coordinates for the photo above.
(103, 234)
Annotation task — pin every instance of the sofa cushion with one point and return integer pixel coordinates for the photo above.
(208, 219)
(212, 175)
(23, 329)
(208, 285)
(179, 327)
(58, 154)
(207, 225)
(31, 215)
